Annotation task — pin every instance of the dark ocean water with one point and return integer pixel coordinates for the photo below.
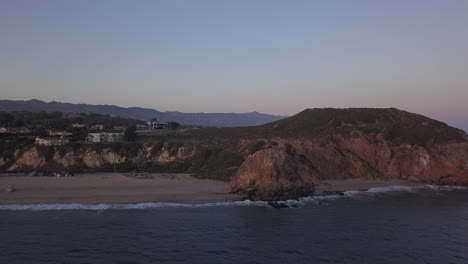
(396, 227)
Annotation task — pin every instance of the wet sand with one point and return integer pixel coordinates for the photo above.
(98, 188)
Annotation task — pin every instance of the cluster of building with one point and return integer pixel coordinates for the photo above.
(152, 127)
(52, 141)
(105, 137)
(55, 138)
(117, 134)
(58, 138)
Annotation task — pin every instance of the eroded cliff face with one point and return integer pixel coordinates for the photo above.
(217, 159)
(274, 174)
(27, 159)
(94, 157)
(288, 171)
(440, 163)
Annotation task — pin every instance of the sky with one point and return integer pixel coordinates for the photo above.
(276, 57)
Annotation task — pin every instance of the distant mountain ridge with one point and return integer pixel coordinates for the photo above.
(202, 119)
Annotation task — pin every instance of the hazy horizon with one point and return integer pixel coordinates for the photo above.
(272, 57)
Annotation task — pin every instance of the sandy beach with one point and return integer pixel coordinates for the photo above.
(98, 188)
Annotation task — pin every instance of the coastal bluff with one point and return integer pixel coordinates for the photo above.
(279, 160)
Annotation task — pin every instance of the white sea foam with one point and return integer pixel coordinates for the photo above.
(378, 190)
(301, 201)
(98, 207)
(372, 192)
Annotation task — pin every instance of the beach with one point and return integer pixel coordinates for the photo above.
(97, 188)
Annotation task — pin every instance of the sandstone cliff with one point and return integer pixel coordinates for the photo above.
(321, 144)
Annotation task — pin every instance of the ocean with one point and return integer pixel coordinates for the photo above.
(383, 225)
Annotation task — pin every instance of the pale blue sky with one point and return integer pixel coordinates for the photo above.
(276, 57)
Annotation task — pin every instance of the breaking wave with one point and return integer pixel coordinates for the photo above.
(98, 207)
(301, 201)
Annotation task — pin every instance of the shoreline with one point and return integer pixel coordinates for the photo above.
(118, 188)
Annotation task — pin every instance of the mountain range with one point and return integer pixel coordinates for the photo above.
(201, 119)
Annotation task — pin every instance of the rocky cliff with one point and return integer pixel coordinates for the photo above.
(217, 160)
(320, 144)
(283, 159)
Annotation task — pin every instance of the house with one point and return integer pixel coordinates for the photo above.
(15, 130)
(114, 137)
(155, 124)
(105, 137)
(77, 125)
(59, 133)
(94, 137)
(52, 141)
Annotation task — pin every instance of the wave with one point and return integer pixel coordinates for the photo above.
(415, 188)
(99, 207)
(300, 201)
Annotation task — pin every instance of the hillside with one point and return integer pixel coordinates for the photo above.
(201, 119)
(397, 126)
(393, 124)
(321, 144)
